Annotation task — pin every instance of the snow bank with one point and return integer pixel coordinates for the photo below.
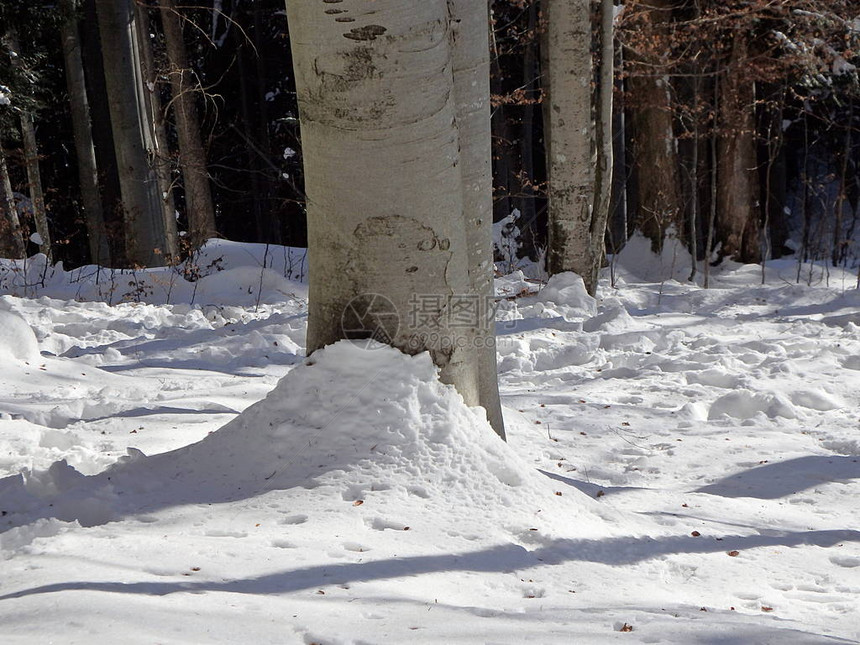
(17, 340)
(637, 262)
(219, 273)
(350, 424)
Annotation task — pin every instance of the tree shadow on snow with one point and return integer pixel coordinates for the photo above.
(497, 559)
(773, 481)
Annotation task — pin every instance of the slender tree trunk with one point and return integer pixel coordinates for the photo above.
(526, 199)
(192, 157)
(840, 241)
(155, 129)
(387, 235)
(714, 183)
(571, 163)
(146, 242)
(604, 132)
(655, 153)
(31, 161)
(471, 65)
(34, 179)
(11, 238)
(774, 178)
(82, 131)
(739, 213)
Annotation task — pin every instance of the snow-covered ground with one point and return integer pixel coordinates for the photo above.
(683, 465)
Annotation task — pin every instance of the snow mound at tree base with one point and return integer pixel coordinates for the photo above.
(367, 431)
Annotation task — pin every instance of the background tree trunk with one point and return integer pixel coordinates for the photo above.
(571, 160)
(604, 126)
(738, 211)
(655, 153)
(31, 161)
(144, 222)
(192, 157)
(34, 180)
(82, 129)
(155, 128)
(11, 238)
(386, 231)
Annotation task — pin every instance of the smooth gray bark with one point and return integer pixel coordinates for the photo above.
(155, 129)
(471, 63)
(386, 224)
(144, 222)
(572, 155)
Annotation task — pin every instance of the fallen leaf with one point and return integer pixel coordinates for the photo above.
(734, 554)
(695, 534)
(358, 502)
(626, 628)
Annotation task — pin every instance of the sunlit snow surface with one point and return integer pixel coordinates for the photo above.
(682, 462)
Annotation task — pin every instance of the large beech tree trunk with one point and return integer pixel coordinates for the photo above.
(144, 222)
(390, 245)
(82, 131)
(738, 223)
(192, 157)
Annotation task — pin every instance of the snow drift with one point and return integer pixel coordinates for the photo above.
(353, 424)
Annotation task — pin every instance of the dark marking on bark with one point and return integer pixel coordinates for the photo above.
(370, 32)
(334, 12)
(412, 269)
(344, 19)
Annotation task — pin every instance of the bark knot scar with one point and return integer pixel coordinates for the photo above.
(370, 32)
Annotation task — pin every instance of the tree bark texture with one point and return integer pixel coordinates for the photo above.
(144, 222)
(155, 128)
(386, 227)
(571, 162)
(471, 65)
(192, 156)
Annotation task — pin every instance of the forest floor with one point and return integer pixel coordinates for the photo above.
(682, 465)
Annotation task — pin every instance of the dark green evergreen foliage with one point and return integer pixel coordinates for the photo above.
(27, 74)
